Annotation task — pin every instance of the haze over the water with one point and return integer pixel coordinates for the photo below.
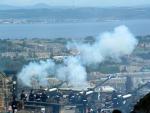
(85, 3)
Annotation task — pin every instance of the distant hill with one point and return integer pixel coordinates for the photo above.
(40, 6)
(59, 14)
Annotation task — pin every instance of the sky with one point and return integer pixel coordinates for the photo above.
(99, 3)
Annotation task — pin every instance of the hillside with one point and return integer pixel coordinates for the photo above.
(75, 14)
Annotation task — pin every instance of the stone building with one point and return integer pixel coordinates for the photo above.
(4, 91)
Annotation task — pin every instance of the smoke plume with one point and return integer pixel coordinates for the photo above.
(37, 71)
(112, 45)
(72, 71)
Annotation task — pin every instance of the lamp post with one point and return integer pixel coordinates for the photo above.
(14, 86)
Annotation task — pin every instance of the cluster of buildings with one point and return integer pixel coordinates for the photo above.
(126, 87)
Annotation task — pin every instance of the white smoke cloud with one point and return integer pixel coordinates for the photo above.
(73, 71)
(113, 45)
(37, 71)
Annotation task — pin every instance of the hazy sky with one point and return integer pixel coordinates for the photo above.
(101, 3)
